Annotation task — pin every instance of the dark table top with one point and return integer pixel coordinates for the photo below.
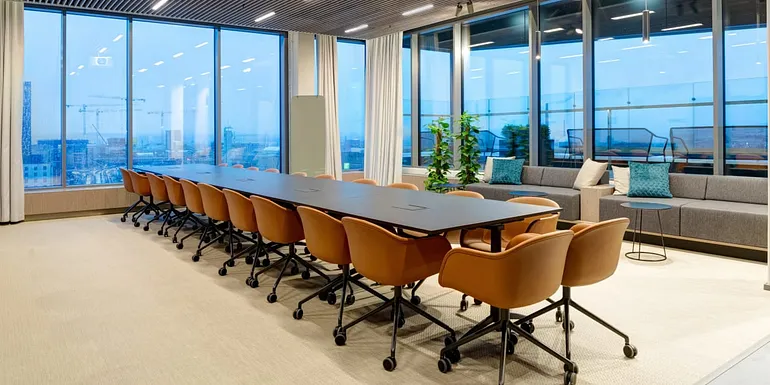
(524, 193)
(646, 206)
(422, 211)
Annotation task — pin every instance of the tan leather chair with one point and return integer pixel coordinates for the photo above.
(527, 272)
(222, 165)
(324, 176)
(371, 182)
(237, 166)
(220, 227)
(160, 195)
(130, 189)
(253, 168)
(273, 170)
(192, 197)
(299, 173)
(141, 186)
(177, 198)
(404, 186)
(241, 213)
(467, 194)
(391, 260)
(592, 257)
(282, 226)
(326, 240)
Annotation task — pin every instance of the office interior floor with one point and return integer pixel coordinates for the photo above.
(96, 301)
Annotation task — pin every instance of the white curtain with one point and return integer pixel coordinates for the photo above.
(384, 120)
(11, 73)
(327, 86)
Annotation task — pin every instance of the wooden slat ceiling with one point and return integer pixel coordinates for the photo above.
(330, 17)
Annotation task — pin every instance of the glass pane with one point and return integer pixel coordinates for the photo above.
(96, 99)
(351, 59)
(41, 103)
(652, 99)
(173, 74)
(435, 85)
(496, 83)
(745, 87)
(561, 84)
(406, 78)
(251, 99)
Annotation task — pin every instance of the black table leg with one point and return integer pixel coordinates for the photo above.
(635, 254)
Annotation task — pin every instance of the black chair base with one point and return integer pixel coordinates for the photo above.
(132, 207)
(292, 258)
(149, 207)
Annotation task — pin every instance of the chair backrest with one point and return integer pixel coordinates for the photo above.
(277, 223)
(140, 183)
(523, 275)
(158, 188)
(273, 170)
(324, 176)
(214, 202)
(241, 211)
(237, 166)
(594, 252)
(299, 173)
(464, 193)
(253, 168)
(404, 186)
(192, 196)
(526, 226)
(126, 180)
(366, 181)
(175, 191)
(325, 236)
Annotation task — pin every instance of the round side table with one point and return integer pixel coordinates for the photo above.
(640, 207)
(525, 193)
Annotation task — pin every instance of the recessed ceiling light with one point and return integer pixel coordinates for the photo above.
(356, 29)
(205, 73)
(241, 89)
(609, 61)
(706, 38)
(513, 73)
(682, 27)
(606, 38)
(224, 67)
(247, 70)
(265, 16)
(578, 31)
(629, 15)
(476, 69)
(759, 63)
(157, 63)
(80, 67)
(417, 10)
(524, 52)
(638, 47)
(161, 86)
(571, 56)
(683, 51)
(188, 78)
(176, 55)
(732, 34)
(477, 77)
(251, 59)
(663, 72)
(743, 44)
(117, 38)
(159, 4)
(72, 73)
(103, 50)
(142, 70)
(481, 44)
(201, 44)
(553, 30)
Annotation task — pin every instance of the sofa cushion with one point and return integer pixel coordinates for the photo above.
(728, 222)
(649, 180)
(609, 208)
(688, 186)
(506, 171)
(590, 174)
(559, 177)
(567, 198)
(532, 175)
(737, 189)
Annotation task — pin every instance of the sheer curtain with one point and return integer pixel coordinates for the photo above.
(11, 72)
(384, 122)
(327, 86)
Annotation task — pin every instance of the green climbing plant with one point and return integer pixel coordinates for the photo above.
(469, 149)
(441, 158)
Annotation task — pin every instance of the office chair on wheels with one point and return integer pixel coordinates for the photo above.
(177, 197)
(220, 226)
(160, 195)
(141, 186)
(242, 218)
(129, 187)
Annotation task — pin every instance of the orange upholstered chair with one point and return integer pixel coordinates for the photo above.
(299, 173)
(273, 170)
(253, 168)
(129, 187)
(160, 195)
(141, 186)
(527, 272)
(222, 165)
(391, 260)
(366, 181)
(237, 166)
(241, 214)
(176, 195)
(592, 257)
(220, 227)
(404, 186)
(467, 194)
(324, 176)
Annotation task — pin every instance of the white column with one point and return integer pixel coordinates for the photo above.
(302, 69)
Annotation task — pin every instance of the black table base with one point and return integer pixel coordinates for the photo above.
(638, 255)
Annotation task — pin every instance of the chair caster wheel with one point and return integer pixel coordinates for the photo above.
(351, 299)
(238, 246)
(571, 326)
(196, 257)
(294, 270)
(122, 219)
(165, 234)
(231, 262)
(558, 315)
(401, 322)
(313, 258)
(174, 240)
(146, 228)
(160, 232)
(453, 356)
(630, 351)
(179, 246)
(305, 274)
(444, 365)
(463, 305)
(415, 300)
(206, 239)
(389, 364)
(323, 295)
(265, 262)
(450, 339)
(410, 285)
(528, 327)
(331, 298)
(222, 271)
(307, 251)
(252, 282)
(297, 314)
(510, 348)
(340, 338)
(272, 297)
(136, 224)
(477, 302)
(249, 260)
(570, 378)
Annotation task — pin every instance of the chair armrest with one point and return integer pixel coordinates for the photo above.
(589, 201)
(581, 226)
(464, 269)
(519, 239)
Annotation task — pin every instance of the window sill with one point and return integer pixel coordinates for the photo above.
(45, 190)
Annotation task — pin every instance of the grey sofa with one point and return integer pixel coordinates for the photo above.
(724, 209)
(556, 182)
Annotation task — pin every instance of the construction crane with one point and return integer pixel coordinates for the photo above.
(141, 100)
(85, 109)
(162, 116)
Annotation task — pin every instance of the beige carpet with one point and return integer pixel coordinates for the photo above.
(95, 301)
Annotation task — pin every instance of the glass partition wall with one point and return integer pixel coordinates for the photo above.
(681, 82)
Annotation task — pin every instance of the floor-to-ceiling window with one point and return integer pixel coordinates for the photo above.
(251, 98)
(745, 45)
(406, 79)
(496, 83)
(97, 104)
(435, 85)
(351, 101)
(42, 99)
(173, 90)
(654, 100)
(561, 84)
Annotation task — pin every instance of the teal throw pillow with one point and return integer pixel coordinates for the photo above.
(649, 180)
(506, 171)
